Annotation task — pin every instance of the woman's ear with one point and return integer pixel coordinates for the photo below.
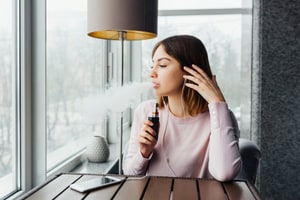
(184, 72)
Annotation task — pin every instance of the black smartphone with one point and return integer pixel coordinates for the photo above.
(96, 183)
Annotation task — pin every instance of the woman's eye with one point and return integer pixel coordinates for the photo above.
(162, 66)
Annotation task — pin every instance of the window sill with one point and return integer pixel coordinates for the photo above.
(109, 167)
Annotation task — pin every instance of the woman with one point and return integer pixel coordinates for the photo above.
(198, 135)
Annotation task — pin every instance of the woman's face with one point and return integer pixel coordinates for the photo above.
(166, 75)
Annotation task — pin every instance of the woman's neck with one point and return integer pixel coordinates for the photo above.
(177, 107)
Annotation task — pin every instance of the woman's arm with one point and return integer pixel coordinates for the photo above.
(135, 163)
(224, 156)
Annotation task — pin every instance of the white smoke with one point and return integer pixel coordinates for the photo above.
(115, 99)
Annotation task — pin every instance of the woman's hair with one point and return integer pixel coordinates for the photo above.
(187, 50)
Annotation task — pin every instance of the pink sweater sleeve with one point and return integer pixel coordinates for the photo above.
(224, 157)
(135, 163)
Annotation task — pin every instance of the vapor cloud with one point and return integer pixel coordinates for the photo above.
(115, 99)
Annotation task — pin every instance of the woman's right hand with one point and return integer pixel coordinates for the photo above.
(147, 139)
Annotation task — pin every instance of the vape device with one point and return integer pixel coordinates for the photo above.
(155, 120)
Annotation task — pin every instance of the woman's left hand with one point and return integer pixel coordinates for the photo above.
(205, 86)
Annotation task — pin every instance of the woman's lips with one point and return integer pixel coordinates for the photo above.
(155, 85)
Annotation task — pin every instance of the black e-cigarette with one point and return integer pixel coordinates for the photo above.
(155, 120)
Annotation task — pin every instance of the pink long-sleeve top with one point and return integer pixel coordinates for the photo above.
(204, 146)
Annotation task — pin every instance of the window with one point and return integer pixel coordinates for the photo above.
(9, 155)
(225, 30)
(75, 72)
(80, 70)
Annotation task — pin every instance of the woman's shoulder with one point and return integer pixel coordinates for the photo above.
(146, 106)
(148, 102)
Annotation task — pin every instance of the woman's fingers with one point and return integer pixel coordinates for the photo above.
(148, 130)
(199, 78)
(197, 72)
(147, 134)
(205, 86)
(146, 139)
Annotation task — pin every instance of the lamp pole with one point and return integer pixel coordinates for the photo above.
(122, 36)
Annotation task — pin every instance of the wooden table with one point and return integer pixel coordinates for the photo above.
(153, 188)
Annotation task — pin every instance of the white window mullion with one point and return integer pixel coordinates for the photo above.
(38, 86)
(24, 51)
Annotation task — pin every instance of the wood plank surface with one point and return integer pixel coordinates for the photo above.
(132, 189)
(54, 188)
(103, 193)
(211, 190)
(158, 189)
(238, 190)
(148, 188)
(185, 189)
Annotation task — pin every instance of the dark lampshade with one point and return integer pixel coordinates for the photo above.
(136, 18)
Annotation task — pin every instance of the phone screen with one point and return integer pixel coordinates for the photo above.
(95, 183)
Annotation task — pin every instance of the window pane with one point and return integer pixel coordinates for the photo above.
(222, 36)
(7, 101)
(73, 73)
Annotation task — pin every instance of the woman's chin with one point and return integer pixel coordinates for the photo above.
(157, 92)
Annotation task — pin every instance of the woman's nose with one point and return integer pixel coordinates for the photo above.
(153, 72)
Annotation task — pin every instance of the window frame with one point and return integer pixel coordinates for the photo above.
(22, 63)
(33, 98)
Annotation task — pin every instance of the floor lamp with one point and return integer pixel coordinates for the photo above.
(122, 20)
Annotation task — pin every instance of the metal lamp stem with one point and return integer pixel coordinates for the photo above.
(122, 36)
